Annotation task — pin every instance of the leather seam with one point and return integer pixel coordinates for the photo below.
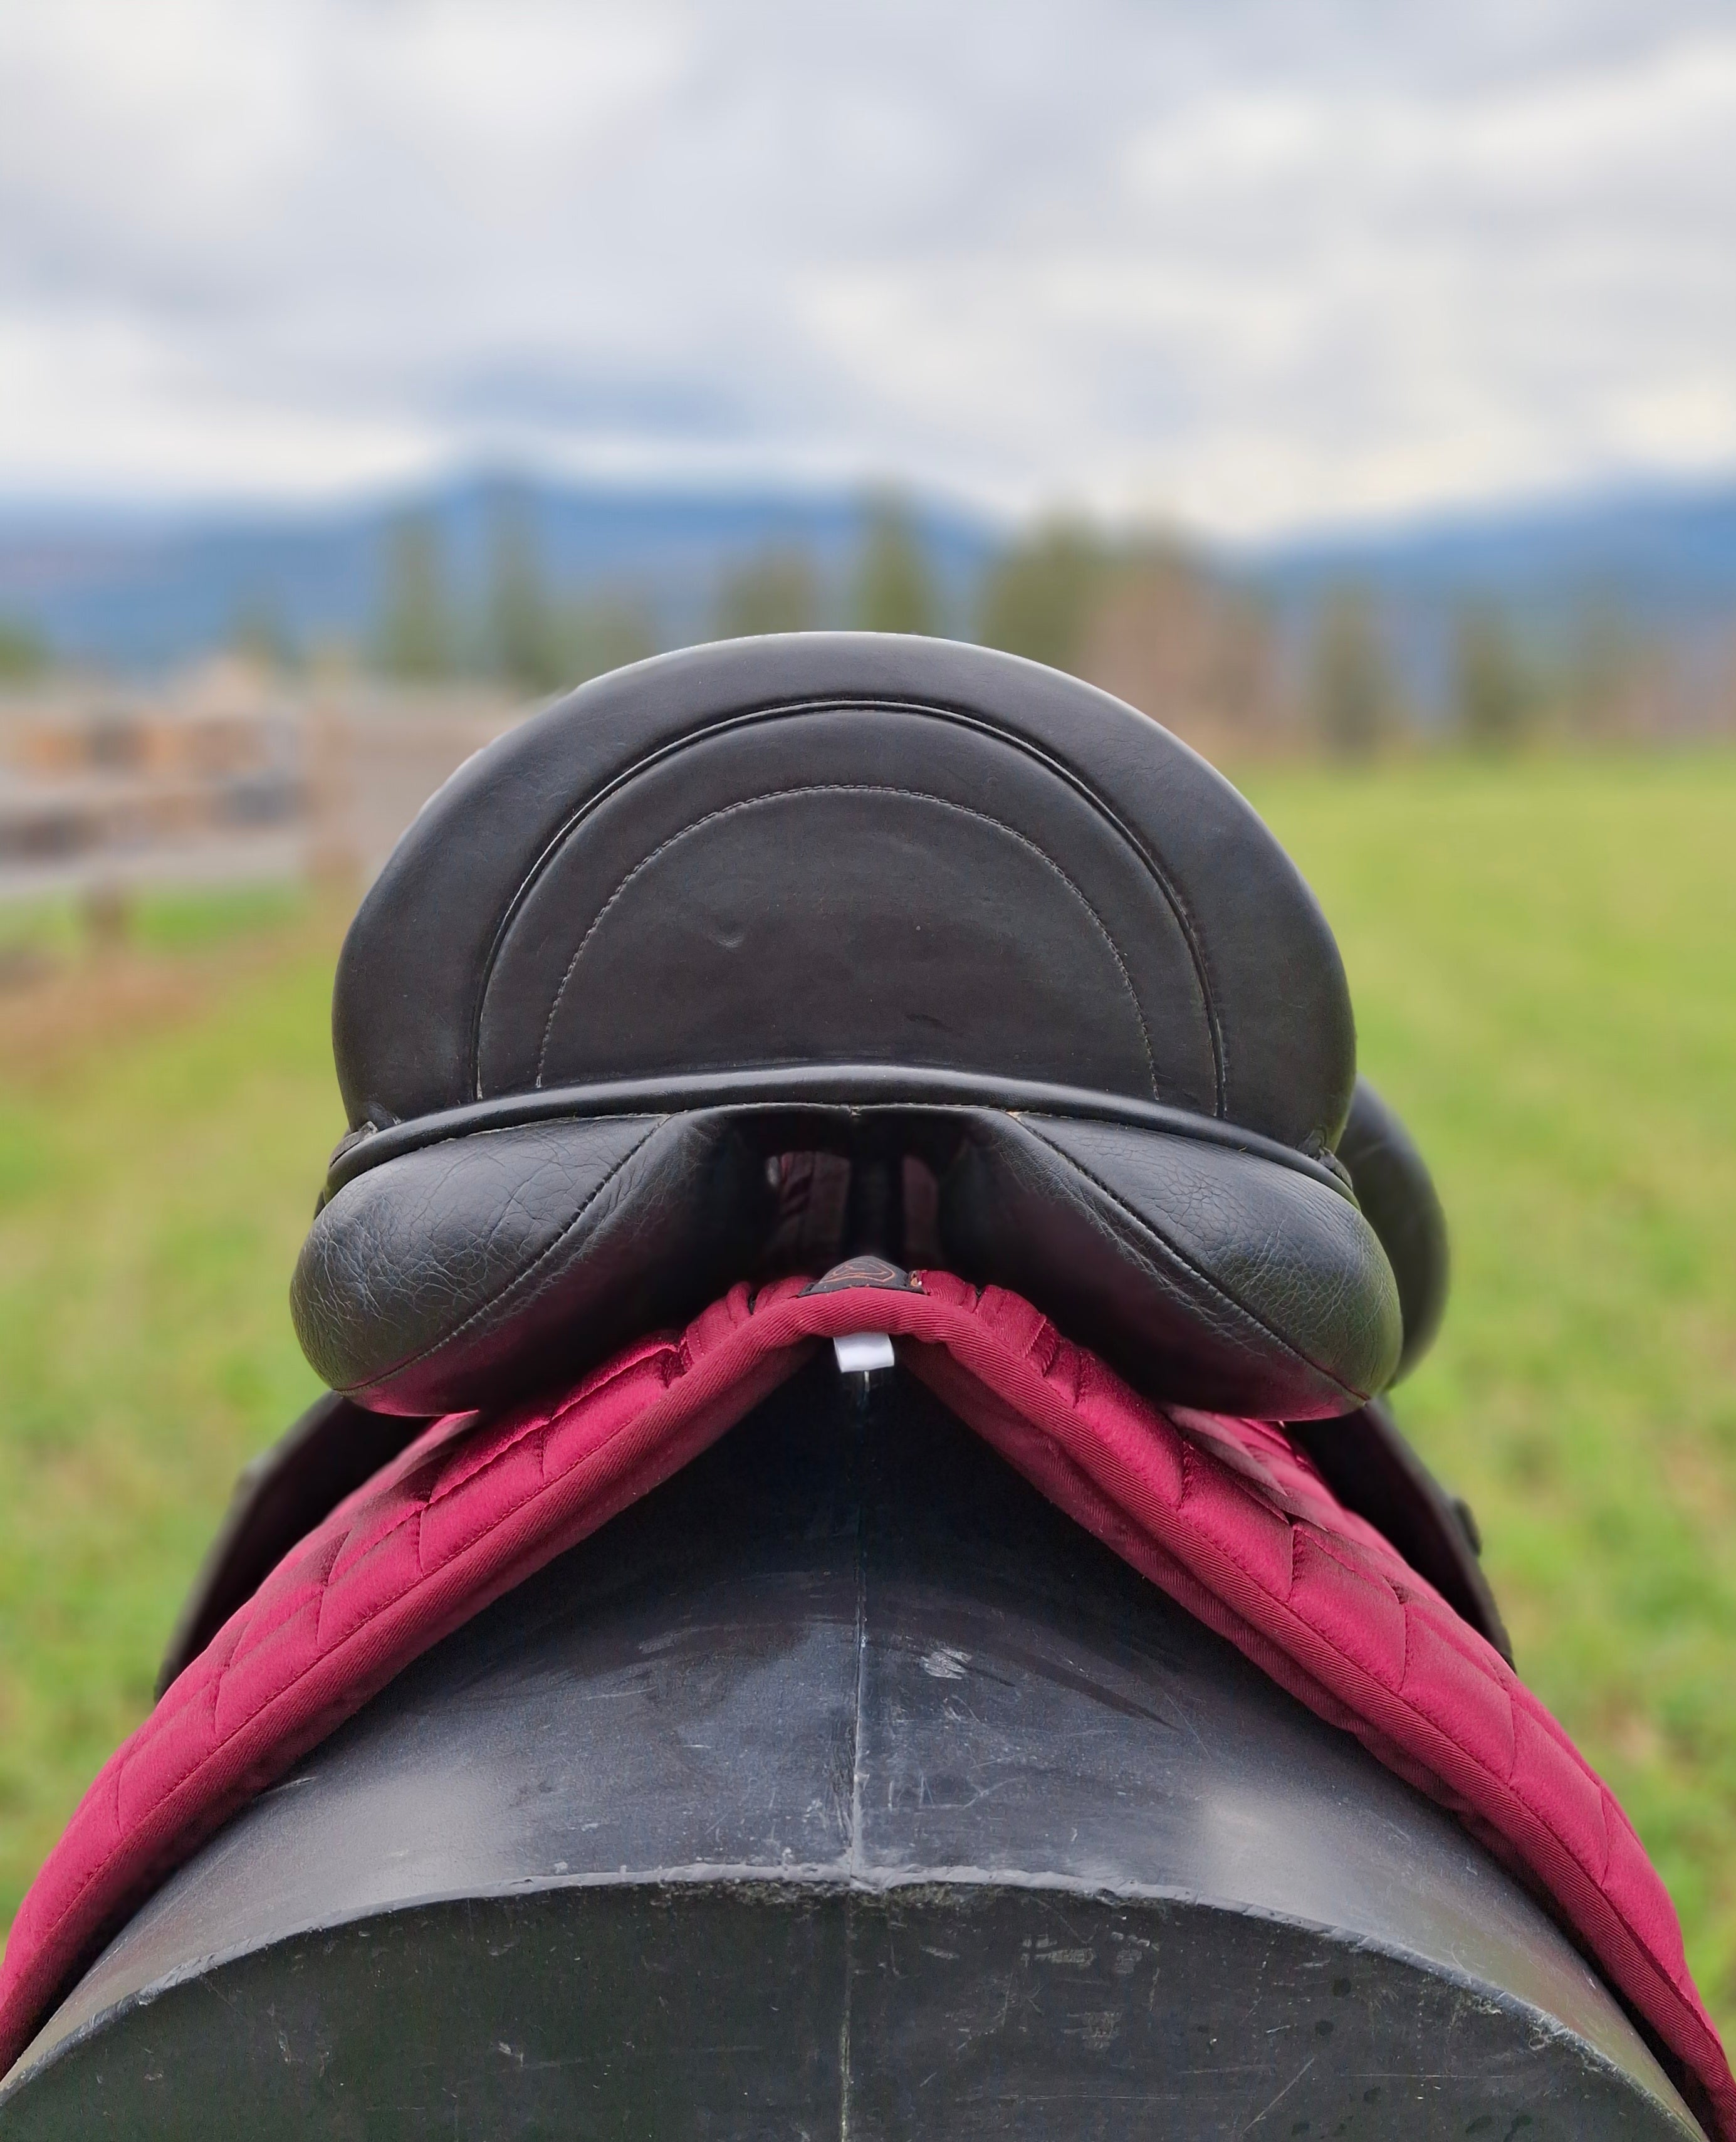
(856, 789)
(517, 1280)
(1198, 1270)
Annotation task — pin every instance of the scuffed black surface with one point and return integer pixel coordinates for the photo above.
(842, 1786)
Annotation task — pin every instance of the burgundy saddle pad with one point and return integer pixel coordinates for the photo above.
(1227, 1515)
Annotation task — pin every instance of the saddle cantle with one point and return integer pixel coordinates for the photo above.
(1028, 968)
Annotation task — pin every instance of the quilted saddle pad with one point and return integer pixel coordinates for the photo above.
(1224, 1514)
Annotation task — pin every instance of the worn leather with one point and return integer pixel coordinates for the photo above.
(454, 1273)
(1397, 1193)
(477, 1267)
(794, 855)
(1100, 834)
(1262, 1291)
(1362, 1455)
(854, 884)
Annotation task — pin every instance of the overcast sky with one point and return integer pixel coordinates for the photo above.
(1248, 265)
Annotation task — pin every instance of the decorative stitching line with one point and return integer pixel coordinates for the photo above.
(853, 788)
(1201, 1538)
(210, 1694)
(534, 1432)
(1180, 909)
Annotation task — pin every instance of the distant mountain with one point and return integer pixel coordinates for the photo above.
(1662, 555)
(1655, 563)
(142, 592)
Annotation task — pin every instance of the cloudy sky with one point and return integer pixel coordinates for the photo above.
(1251, 264)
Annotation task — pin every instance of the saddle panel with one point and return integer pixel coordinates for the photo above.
(468, 1270)
(1362, 1455)
(1371, 1469)
(1259, 1291)
(1399, 1199)
(464, 1271)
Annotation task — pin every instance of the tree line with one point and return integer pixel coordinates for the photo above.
(1590, 676)
(536, 639)
(1148, 619)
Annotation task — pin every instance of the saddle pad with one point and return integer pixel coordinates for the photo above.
(1224, 1514)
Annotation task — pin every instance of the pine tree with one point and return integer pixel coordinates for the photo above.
(1495, 701)
(894, 589)
(604, 634)
(415, 638)
(777, 592)
(1351, 695)
(523, 639)
(1038, 600)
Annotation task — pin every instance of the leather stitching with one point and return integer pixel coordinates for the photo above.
(853, 788)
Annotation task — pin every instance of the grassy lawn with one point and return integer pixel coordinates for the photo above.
(1544, 958)
(154, 1190)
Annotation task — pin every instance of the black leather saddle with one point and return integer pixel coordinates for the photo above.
(1023, 962)
(754, 957)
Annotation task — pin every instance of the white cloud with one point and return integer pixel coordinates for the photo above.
(1258, 265)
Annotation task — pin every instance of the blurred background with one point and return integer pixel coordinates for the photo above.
(1351, 389)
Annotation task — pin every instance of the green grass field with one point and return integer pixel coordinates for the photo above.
(1544, 958)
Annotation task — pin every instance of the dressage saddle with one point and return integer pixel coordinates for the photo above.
(592, 1677)
(1014, 955)
(756, 956)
